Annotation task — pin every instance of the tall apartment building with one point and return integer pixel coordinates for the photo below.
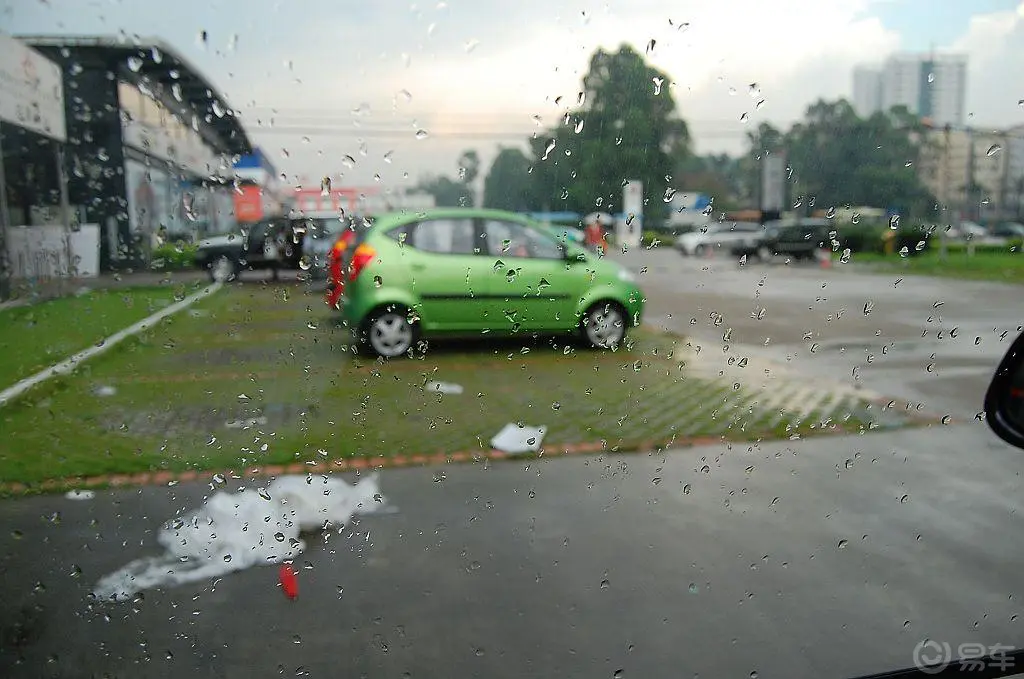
(929, 85)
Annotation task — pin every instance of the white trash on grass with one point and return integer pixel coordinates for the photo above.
(444, 387)
(234, 531)
(515, 438)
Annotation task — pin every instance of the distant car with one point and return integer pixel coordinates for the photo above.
(471, 271)
(274, 244)
(718, 237)
(1007, 230)
(801, 240)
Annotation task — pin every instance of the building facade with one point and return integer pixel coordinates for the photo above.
(149, 150)
(976, 174)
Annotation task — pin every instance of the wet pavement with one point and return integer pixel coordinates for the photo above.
(826, 556)
(821, 557)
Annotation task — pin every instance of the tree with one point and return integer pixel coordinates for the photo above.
(508, 184)
(448, 192)
(838, 158)
(624, 127)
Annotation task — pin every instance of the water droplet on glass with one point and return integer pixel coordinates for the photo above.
(378, 281)
(471, 45)
(693, 588)
(263, 493)
(744, 117)
(134, 64)
(348, 161)
(993, 150)
(904, 499)
(931, 77)
(894, 222)
(387, 156)
(579, 126)
(842, 544)
(605, 584)
(658, 82)
(869, 306)
(669, 194)
(421, 134)
(946, 419)
(548, 149)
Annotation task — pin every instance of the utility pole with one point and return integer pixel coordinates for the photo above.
(943, 250)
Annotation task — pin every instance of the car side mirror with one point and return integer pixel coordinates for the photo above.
(1004, 400)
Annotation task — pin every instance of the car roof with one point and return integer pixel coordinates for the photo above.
(388, 220)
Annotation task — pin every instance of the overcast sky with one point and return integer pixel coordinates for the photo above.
(318, 80)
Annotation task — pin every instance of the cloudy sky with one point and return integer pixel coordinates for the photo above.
(316, 80)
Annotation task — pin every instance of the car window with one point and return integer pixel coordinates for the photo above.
(443, 236)
(510, 239)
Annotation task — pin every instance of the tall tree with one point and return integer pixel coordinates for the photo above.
(623, 127)
(508, 184)
(838, 158)
(448, 192)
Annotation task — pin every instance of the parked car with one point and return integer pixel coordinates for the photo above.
(274, 244)
(716, 237)
(1007, 230)
(468, 271)
(800, 240)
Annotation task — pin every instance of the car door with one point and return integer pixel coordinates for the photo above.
(447, 273)
(530, 284)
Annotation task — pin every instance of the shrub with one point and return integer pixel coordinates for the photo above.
(174, 256)
(665, 240)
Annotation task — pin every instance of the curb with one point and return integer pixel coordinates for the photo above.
(69, 364)
(214, 476)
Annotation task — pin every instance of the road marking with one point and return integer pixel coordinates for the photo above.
(68, 365)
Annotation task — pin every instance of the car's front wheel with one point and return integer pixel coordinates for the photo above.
(604, 325)
(223, 269)
(390, 333)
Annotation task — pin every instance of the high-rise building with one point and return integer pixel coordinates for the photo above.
(929, 85)
(867, 90)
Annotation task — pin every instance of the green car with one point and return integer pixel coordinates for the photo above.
(466, 271)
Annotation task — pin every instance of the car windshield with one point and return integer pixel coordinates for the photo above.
(508, 339)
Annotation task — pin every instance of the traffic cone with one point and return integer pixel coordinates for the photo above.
(825, 257)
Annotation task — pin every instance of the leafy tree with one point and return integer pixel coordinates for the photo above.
(839, 158)
(623, 127)
(508, 184)
(448, 192)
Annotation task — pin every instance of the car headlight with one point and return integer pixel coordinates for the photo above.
(627, 276)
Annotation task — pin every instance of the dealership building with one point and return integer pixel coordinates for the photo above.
(108, 147)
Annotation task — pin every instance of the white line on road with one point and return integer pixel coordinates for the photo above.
(67, 365)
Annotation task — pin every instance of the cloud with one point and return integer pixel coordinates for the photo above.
(995, 46)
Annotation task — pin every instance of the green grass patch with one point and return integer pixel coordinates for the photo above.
(1004, 266)
(262, 374)
(37, 336)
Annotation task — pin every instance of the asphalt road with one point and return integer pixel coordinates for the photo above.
(818, 557)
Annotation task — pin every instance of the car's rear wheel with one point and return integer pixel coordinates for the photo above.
(223, 269)
(699, 250)
(604, 325)
(390, 333)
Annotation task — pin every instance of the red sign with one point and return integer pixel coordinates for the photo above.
(248, 204)
(318, 200)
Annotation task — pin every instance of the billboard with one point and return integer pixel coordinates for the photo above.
(773, 183)
(248, 203)
(31, 90)
(629, 229)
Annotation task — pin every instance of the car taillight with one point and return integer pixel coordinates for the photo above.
(363, 255)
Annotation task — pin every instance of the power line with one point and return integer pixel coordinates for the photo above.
(411, 134)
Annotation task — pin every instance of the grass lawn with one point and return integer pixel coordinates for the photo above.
(37, 336)
(260, 374)
(990, 266)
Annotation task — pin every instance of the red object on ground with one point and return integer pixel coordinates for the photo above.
(289, 583)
